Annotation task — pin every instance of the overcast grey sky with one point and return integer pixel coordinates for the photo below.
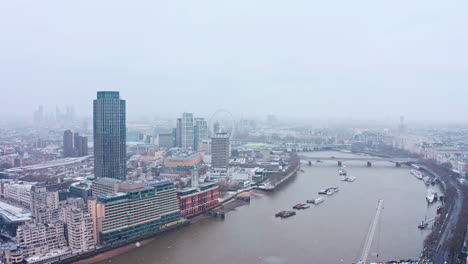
(361, 59)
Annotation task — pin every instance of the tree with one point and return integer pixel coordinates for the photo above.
(5, 166)
(447, 165)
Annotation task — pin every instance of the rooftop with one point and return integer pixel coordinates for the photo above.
(201, 187)
(156, 183)
(22, 185)
(107, 181)
(113, 195)
(183, 155)
(221, 135)
(86, 185)
(43, 257)
(108, 95)
(14, 214)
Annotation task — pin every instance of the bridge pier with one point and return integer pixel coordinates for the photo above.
(398, 164)
(339, 163)
(369, 164)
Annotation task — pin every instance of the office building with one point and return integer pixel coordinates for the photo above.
(81, 189)
(68, 144)
(183, 159)
(200, 132)
(39, 116)
(204, 146)
(167, 140)
(135, 136)
(77, 144)
(186, 133)
(109, 136)
(104, 186)
(80, 145)
(179, 133)
(220, 150)
(74, 145)
(18, 162)
(216, 128)
(193, 201)
(135, 212)
(402, 126)
(83, 147)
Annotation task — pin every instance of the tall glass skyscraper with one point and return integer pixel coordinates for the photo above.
(109, 136)
(187, 135)
(200, 131)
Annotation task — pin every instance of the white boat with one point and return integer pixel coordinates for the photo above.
(430, 196)
(417, 174)
(332, 190)
(318, 200)
(267, 187)
(349, 179)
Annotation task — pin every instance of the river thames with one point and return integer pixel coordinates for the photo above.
(332, 232)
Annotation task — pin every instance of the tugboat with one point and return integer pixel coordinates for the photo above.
(280, 213)
(289, 213)
(316, 201)
(301, 206)
(284, 214)
(324, 191)
(423, 225)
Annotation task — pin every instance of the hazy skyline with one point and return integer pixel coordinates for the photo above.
(303, 59)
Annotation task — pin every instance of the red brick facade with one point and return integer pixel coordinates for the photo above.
(198, 201)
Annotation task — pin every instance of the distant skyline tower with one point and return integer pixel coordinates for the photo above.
(84, 147)
(216, 128)
(68, 144)
(39, 116)
(77, 144)
(402, 126)
(178, 139)
(109, 136)
(187, 135)
(200, 132)
(220, 150)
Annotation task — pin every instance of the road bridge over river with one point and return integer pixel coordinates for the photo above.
(369, 159)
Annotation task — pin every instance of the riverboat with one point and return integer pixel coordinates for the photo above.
(316, 201)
